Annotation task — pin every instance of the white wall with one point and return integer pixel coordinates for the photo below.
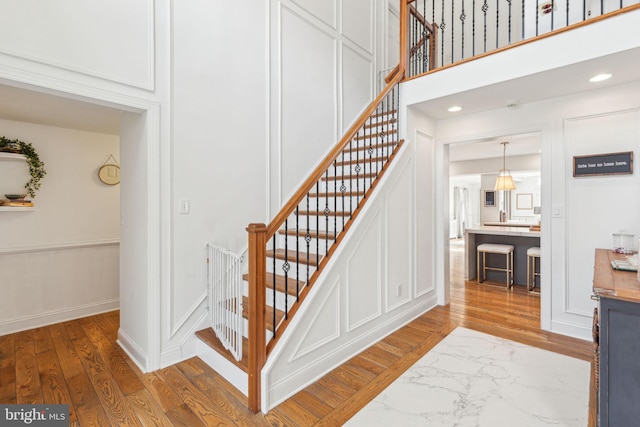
(589, 209)
(324, 58)
(64, 253)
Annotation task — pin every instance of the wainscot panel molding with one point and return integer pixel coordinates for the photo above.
(601, 197)
(364, 266)
(400, 236)
(324, 326)
(24, 323)
(358, 23)
(57, 283)
(357, 272)
(59, 247)
(315, 66)
(323, 10)
(116, 42)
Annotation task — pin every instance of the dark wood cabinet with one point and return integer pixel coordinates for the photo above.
(617, 339)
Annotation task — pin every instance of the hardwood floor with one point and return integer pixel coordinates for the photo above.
(79, 363)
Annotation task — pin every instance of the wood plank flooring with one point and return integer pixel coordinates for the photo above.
(79, 363)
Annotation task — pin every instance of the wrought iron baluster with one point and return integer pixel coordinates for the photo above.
(285, 267)
(317, 217)
(372, 136)
(537, 16)
(343, 189)
(425, 38)
(307, 238)
(567, 12)
(442, 27)
(286, 293)
(509, 32)
(473, 28)
(523, 19)
(463, 16)
(351, 180)
(452, 31)
(485, 7)
(497, 23)
(335, 198)
(326, 211)
(274, 282)
(553, 6)
(357, 169)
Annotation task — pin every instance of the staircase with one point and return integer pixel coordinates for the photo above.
(303, 239)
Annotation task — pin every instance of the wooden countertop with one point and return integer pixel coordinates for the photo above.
(504, 231)
(610, 283)
(509, 224)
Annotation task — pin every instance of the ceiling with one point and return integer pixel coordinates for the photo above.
(24, 105)
(624, 67)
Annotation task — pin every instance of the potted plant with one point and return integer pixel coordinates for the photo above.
(36, 166)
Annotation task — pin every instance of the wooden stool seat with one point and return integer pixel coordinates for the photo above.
(494, 248)
(533, 256)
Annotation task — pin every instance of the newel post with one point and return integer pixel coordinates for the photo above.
(404, 33)
(257, 302)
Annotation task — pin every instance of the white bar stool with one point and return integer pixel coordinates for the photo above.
(493, 248)
(533, 256)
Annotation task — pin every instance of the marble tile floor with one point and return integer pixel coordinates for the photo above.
(474, 379)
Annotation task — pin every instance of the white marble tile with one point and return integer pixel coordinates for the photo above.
(475, 379)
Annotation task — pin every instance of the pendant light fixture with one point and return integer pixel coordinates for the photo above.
(504, 180)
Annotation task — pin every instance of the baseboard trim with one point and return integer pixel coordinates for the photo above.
(276, 393)
(43, 319)
(135, 352)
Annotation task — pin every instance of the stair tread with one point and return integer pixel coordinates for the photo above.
(280, 281)
(208, 336)
(312, 259)
(384, 113)
(382, 123)
(364, 147)
(347, 193)
(361, 160)
(268, 316)
(322, 213)
(350, 177)
(312, 233)
(375, 135)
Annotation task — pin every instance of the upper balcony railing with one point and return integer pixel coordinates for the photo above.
(442, 33)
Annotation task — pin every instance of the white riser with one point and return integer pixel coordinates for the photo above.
(269, 296)
(292, 270)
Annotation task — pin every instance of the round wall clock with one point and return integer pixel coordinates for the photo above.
(109, 174)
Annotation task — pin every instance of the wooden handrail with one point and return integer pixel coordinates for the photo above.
(414, 11)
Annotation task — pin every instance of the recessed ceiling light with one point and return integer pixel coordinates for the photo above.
(600, 78)
(455, 108)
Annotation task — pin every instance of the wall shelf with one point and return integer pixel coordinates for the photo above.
(19, 157)
(12, 156)
(17, 208)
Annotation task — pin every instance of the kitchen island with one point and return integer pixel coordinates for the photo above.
(520, 237)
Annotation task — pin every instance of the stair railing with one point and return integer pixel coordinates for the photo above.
(224, 280)
(423, 39)
(272, 240)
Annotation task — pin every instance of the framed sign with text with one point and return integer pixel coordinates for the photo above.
(603, 164)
